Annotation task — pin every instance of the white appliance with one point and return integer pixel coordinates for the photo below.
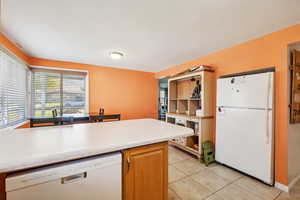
(92, 178)
(244, 123)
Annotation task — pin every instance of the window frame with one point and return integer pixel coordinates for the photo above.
(53, 69)
(27, 90)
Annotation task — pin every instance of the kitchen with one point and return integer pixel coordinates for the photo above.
(65, 152)
(79, 73)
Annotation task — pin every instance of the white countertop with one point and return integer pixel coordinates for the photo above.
(33, 147)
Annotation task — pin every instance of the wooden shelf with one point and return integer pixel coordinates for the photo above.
(188, 99)
(193, 106)
(172, 106)
(186, 148)
(172, 90)
(182, 106)
(194, 99)
(181, 89)
(193, 116)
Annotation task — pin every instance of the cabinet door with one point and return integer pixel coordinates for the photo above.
(145, 172)
(295, 88)
(2, 187)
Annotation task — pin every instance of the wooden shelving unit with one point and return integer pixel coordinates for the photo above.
(183, 106)
(190, 117)
(295, 88)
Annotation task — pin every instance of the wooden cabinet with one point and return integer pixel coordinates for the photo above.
(295, 88)
(145, 172)
(2, 187)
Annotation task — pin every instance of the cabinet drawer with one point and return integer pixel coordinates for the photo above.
(180, 121)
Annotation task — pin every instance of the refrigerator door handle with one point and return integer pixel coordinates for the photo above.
(220, 109)
(268, 108)
(267, 128)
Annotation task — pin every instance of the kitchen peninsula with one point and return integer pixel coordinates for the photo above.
(143, 144)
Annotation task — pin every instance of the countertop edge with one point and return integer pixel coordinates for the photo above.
(68, 156)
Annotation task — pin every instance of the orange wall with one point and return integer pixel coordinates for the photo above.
(134, 94)
(267, 51)
(13, 48)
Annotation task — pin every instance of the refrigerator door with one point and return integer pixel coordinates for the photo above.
(244, 141)
(249, 91)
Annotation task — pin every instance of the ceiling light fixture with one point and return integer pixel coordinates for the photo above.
(116, 55)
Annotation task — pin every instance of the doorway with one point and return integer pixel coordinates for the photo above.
(163, 99)
(294, 114)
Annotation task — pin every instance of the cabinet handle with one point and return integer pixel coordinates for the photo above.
(73, 178)
(128, 162)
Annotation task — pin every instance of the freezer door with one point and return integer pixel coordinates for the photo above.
(244, 141)
(254, 91)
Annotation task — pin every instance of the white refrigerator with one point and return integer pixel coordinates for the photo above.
(244, 123)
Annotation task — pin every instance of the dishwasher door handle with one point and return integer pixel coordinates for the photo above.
(73, 178)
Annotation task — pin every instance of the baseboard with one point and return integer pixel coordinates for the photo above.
(294, 181)
(282, 187)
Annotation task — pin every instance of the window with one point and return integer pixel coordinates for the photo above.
(64, 91)
(13, 84)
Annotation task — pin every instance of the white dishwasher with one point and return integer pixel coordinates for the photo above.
(86, 179)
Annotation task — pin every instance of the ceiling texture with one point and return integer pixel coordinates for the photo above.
(152, 34)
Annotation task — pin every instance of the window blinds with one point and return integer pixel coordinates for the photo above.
(13, 79)
(61, 90)
(73, 93)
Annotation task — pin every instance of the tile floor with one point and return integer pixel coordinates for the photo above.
(191, 180)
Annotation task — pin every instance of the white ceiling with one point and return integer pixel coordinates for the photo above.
(153, 34)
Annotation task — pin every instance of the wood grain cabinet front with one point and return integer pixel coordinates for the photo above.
(145, 172)
(2, 187)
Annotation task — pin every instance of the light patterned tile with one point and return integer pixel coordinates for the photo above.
(172, 149)
(294, 196)
(172, 195)
(264, 191)
(175, 174)
(188, 189)
(295, 190)
(286, 196)
(190, 166)
(214, 197)
(173, 158)
(177, 156)
(209, 179)
(234, 192)
(226, 172)
(181, 153)
(211, 165)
